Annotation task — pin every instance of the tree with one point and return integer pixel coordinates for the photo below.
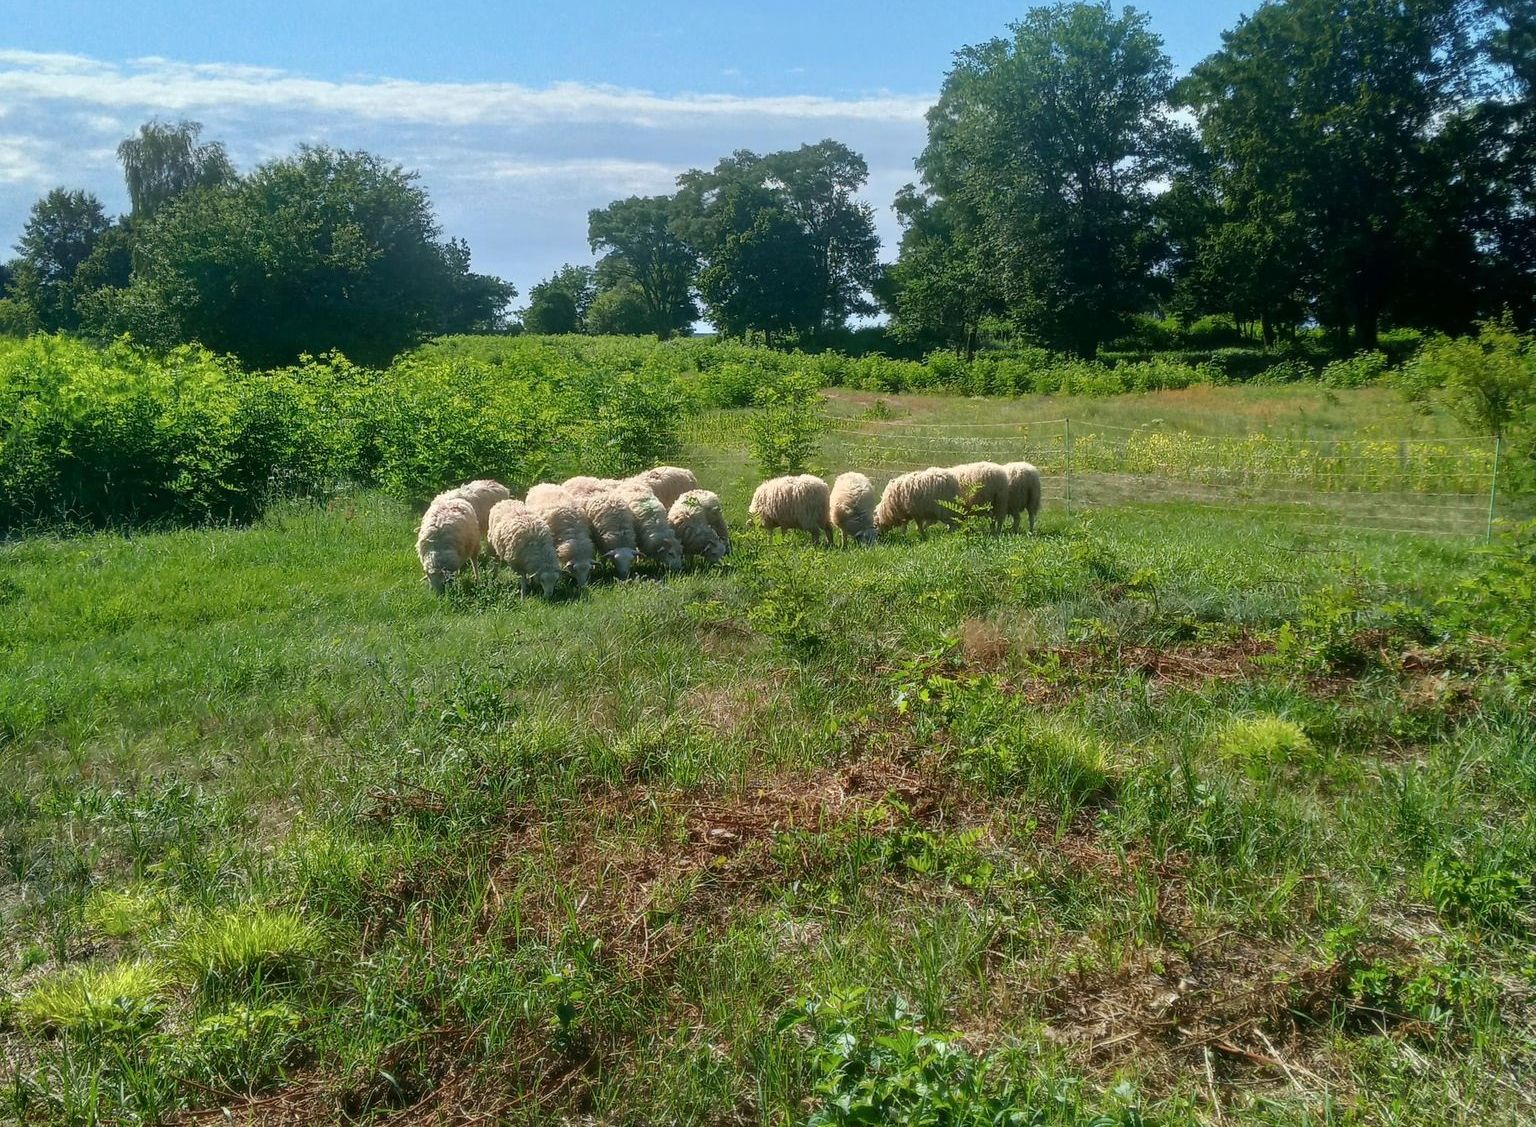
(645, 249)
(1051, 139)
(942, 287)
(784, 246)
(164, 160)
(61, 232)
(620, 311)
(560, 303)
(319, 251)
(1345, 132)
(471, 302)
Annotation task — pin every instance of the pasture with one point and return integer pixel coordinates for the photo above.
(1172, 813)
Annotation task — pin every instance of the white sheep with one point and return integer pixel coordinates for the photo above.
(581, 487)
(521, 540)
(668, 483)
(569, 529)
(852, 505)
(799, 501)
(448, 539)
(613, 527)
(984, 487)
(1026, 494)
(926, 497)
(696, 518)
(482, 495)
(653, 535)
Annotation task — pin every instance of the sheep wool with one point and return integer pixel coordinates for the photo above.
(583, 486)
(653, 535)
(482, 495)
(569, 529)
(613, 528)
(448, 539)
(984, 487)
(521, 540)
(696, 518)
(926, 497)
(1026, 494)
(852, 508)
(668, 483)
(798, 502)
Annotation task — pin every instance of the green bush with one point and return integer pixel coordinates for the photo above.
(784, 432)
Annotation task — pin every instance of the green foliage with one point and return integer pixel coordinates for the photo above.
(1490, 889)
(111, 1001)
(126, 913)
(1497, 600)
(1486, 381)
(62, 231)
(1041, 147)
(1258, 743)
(645, 249)
(784, 432)
(621, 311)
(560, 304)
(1361, 370)
(886, 1069)
(322, 251)
(244, 1048)
(165, 160)
(239, 949)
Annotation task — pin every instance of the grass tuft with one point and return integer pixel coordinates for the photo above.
(96, 1000)
(245, 948)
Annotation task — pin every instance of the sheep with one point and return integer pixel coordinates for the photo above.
(794, 502)
(668, 483)
(613, 527)
(569, 529)
(581, 487)
(653, 535)
(1026, 494)
(984, 487)
(448, 539)
(852, 503)
(521, 540)
(696, 518)
(924, 496)
(482, 495)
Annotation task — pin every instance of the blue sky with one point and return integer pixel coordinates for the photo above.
(520, 117)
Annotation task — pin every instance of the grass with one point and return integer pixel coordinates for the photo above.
(1169, 814)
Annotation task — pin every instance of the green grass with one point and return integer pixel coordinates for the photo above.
(1167, 814)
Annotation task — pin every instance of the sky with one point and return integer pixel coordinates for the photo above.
(519, 117)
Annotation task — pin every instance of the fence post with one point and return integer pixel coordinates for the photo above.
(1497, 458)
(1069, 458)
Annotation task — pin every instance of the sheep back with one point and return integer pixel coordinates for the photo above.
(521, 540)
(925, 496)
(696, 518)
(852, 507)
(799, 502)
(448, 538)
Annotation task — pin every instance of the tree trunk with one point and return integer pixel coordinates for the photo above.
(1269, 331)
(972, 342)
(1366, 328)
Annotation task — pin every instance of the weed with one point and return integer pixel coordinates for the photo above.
(109, 1001)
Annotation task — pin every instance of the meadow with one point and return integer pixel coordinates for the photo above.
(1172, 813)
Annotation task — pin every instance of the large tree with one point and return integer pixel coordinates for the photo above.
(785, 247)
(943, 285)
(164, 160)
(1052, 139)
(1350, 132)
(644, 248)
(62, 230)
(323, 250)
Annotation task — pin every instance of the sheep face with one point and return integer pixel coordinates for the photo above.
(581, 571)
(714, 551)
(438, 579)
(547, 580)
(672, 555)
(623, 558)
(866, 537)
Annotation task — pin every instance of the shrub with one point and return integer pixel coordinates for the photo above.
(1259, 742)
(784, 432)
(244, 1047)
(1360, 370)
(1487, 381)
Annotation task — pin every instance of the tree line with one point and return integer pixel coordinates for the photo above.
(1347, 164)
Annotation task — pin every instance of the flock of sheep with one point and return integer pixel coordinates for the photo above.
(664, 515)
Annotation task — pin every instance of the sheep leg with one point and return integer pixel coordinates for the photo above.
(476, 575)
(1016, 522)
(817, 538)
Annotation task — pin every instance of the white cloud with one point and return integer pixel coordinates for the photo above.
(513, 169)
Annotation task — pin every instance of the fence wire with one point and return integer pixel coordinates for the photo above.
(1441, 487)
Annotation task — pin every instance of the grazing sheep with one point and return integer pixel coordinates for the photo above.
(852, 503)
(1026, 494)
(521, 540)
(924, 496)
(668, 483)
(696, 518)
(569, 530)
(613, 527)
(448, 539)
(482, 495)
(583, 486)
(984, 487)
(795, 502)
(653, 535)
